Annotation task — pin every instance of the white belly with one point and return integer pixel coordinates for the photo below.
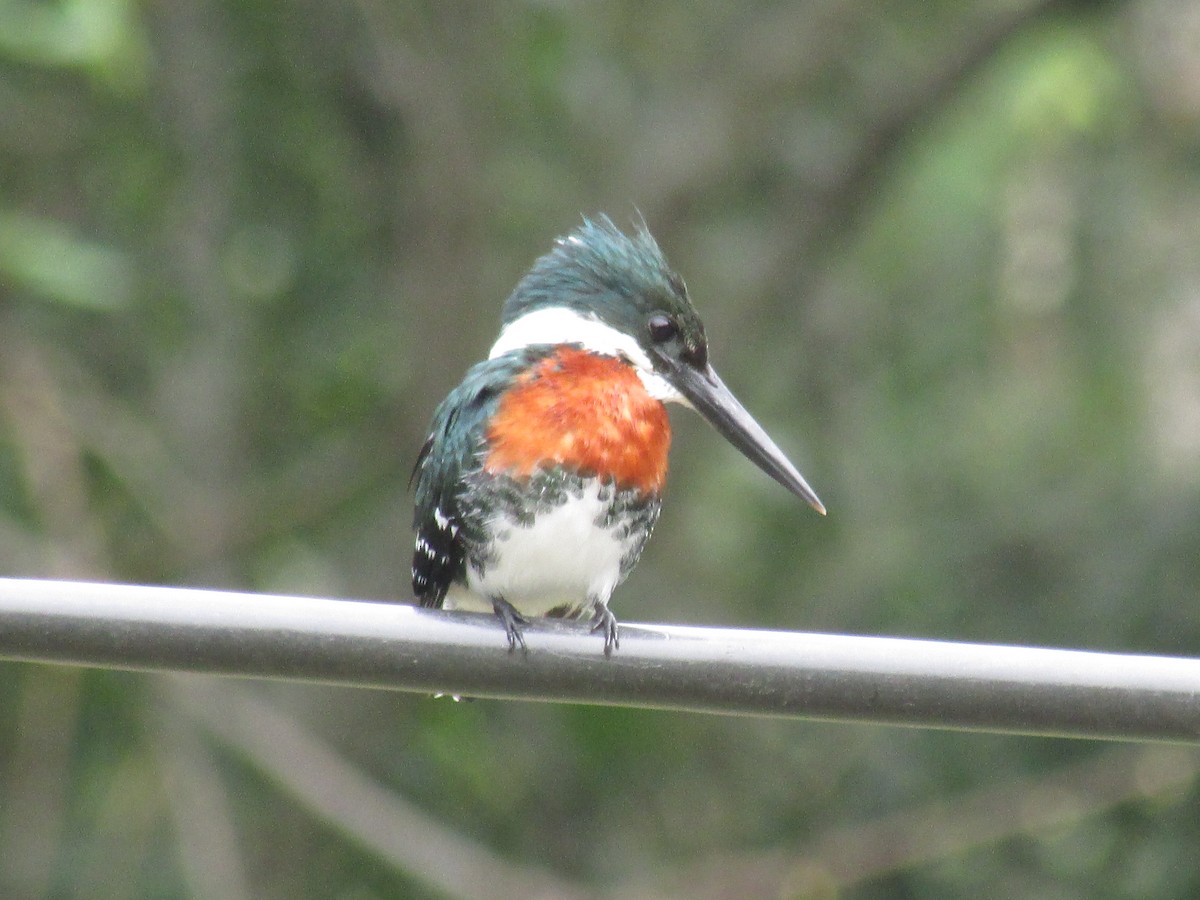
(565, 558)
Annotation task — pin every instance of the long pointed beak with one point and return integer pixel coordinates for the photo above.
(712, 399)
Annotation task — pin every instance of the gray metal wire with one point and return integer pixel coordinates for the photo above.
(935, 684)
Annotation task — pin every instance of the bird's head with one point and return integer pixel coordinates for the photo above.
(614, 293)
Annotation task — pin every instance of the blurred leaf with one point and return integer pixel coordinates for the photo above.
(1065, 81)
(98, 34)
(48, 259)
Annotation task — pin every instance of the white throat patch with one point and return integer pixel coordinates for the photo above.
(559, 325)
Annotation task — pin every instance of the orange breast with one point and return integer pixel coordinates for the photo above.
(585, 411)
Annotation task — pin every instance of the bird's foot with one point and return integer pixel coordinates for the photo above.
(513, 623)
(606, 622)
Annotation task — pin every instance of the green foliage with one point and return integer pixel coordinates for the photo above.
(49, 261)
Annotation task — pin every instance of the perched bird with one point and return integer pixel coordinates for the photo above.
(543, 473)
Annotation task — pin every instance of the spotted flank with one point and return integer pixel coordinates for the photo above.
(561, 554)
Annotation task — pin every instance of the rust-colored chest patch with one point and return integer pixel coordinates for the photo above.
(585, 411)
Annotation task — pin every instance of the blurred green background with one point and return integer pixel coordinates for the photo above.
(948, 256)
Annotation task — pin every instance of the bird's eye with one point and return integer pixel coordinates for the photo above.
(662, 329)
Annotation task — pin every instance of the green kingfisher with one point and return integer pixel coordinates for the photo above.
(543, 473)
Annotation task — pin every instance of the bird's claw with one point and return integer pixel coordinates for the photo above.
(606, 622)
(513, 623)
